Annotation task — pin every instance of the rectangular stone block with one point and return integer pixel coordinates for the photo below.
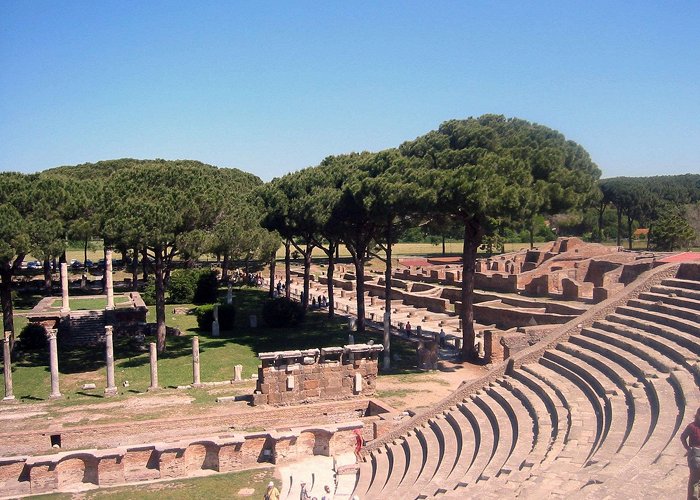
(311, 384)
(43, 478)
(110, 470)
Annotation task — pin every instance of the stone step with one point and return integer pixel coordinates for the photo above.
(652, 356)
(416, 456)
(661, 319)
(397, 453)
(381, 468)
(467, 440)
(668, 309)
(433, 449)
(681, 283)
(638, 404)
(364, 476)
(451, 441)
(559, 413)
(684, 302)
(486, 442)
(680, 292)
(672, 350)
(684, 339)
(583, 424)
(506, 433)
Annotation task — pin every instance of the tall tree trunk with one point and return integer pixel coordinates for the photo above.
(359, 261)
(287, 269)
(135, 270)
(532, 233)
(85, 248)
(443, 246)
(601, 212)
(329, 273)
(619, 227)
(47, 276)
(473, 234)
(224, 268)
(386, 363)
(273, 262)
(629, 232)
(307, 276)
(8, 324)
(160, 299)
(144, 263)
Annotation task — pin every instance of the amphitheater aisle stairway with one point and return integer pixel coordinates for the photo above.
(596, 416)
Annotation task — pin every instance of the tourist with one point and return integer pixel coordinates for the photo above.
(358, 444)
(272, 493)
(691, 442)
(442, 338)
(313, 303)
(408, 328)
(304, 494)
(327, 493)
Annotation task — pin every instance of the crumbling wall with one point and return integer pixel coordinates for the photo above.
(291, 377)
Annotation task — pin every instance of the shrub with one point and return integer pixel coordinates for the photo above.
(205, 317)
(198, 286)
(149, 293)
(33, 337)
(282, 312)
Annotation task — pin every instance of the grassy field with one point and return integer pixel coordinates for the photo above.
(217, 355)
(219, 486)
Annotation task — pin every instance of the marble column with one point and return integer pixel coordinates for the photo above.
(7, 367)
(237, 373)
(111, 389)
(215, 328)
(108, 279)
(154, 367)
(53, 363)
(65, 305)
(196, 381)
(229, 294)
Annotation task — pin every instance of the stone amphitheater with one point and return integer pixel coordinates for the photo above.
(589, 405)
(594, 409)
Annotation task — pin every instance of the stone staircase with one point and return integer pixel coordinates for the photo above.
(594, 414)
(86, 328)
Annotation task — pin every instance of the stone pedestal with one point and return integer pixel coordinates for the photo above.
(154, 366)
(109, 285)
(65, 305)
(111, 389)
(83, 282)
(238, 373)
(7, 367)
(53, 363)
(196, 380)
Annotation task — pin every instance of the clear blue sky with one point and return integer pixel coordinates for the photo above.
(272, 87)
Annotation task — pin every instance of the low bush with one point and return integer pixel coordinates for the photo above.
(33, 337)
(205, 317)
(196, 286)
(149, 293)
(282, 312)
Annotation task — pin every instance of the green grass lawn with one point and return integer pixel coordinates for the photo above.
(219, 486)
(81, 304)
(217, 355)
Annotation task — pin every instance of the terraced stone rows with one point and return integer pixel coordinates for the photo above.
(584, 419)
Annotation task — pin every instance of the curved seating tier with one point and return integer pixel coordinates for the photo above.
(597, 415)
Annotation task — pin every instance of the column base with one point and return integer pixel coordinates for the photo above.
(55, 396)
(65, 309)
(8, 398)
(197, 386)
(111, 391)
(151, 389)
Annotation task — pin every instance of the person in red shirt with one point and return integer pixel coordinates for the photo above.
(690, 438)
(358, 444)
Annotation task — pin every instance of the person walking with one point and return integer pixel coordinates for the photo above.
(690, 438)
(272, 493)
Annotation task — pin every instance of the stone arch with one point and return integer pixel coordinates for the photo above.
(202, 455)
(76, 469)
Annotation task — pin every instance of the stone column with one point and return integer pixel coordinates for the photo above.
(7, 367)
(108, 279)
(229, 294)
(154, 367)
(237, 373)
(196, 381)
(215, 329)
(53, 363)
(111, 389)
(65, 305)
